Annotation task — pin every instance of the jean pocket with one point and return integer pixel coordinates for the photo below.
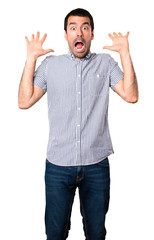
(104, 163)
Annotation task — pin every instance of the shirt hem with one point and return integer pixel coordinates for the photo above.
(87, 163)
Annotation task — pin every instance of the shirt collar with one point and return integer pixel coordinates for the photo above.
(73, 57)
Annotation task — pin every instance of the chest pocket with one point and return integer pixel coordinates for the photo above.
(96, 84)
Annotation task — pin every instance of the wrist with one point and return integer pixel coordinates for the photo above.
(31, 59)
(124, 53)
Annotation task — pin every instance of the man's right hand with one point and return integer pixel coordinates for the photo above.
(34, 47)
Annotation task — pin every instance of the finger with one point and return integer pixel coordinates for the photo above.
(32, 38)
(120, 34)
(127, 34)
(43, 38)
(110, 36)
(37, 35)
(115, 34)
(26, 39)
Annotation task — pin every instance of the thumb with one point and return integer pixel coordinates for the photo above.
(107, 47)
(49, 50)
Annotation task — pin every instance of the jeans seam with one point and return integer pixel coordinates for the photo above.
(68, 218)
(84, 216)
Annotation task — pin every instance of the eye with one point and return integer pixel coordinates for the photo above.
(85, 28)
(72, 28)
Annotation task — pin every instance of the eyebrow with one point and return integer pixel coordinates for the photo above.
(74, 23)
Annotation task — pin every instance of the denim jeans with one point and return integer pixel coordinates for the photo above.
(93, 182)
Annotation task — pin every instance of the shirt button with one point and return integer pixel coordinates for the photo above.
(78, 125)
(78, 75)
(78, 92)
(78, 108)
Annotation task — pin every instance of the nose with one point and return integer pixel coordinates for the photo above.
(79, 32)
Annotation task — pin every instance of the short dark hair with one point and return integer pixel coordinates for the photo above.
(81, 13)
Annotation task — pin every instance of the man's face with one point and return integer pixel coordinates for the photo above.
(79, 36)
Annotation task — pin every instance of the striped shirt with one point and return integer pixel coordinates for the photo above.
(78, 97)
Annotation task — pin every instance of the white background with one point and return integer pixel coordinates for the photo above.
(24, 133)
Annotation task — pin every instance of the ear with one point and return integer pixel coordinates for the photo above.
(92, 35)
(65, 35)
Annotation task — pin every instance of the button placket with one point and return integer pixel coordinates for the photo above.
(78, 123)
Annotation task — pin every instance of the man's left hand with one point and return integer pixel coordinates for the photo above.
(119, 43)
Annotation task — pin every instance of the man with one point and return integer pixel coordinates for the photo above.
(79, 144)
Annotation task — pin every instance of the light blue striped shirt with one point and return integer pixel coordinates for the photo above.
(78, 97)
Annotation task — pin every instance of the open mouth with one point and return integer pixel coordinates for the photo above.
(79, 44)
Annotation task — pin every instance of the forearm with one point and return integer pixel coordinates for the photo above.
(130, 85)
(26, 86)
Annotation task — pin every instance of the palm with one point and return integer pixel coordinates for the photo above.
(34, 47)
(119, 42)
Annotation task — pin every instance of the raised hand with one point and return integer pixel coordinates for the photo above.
(34, 47)
(119, 42)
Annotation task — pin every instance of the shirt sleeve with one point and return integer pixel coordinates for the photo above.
(116, 74)
(39, 78)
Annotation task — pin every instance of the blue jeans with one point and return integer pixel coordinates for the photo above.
(61, 182)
